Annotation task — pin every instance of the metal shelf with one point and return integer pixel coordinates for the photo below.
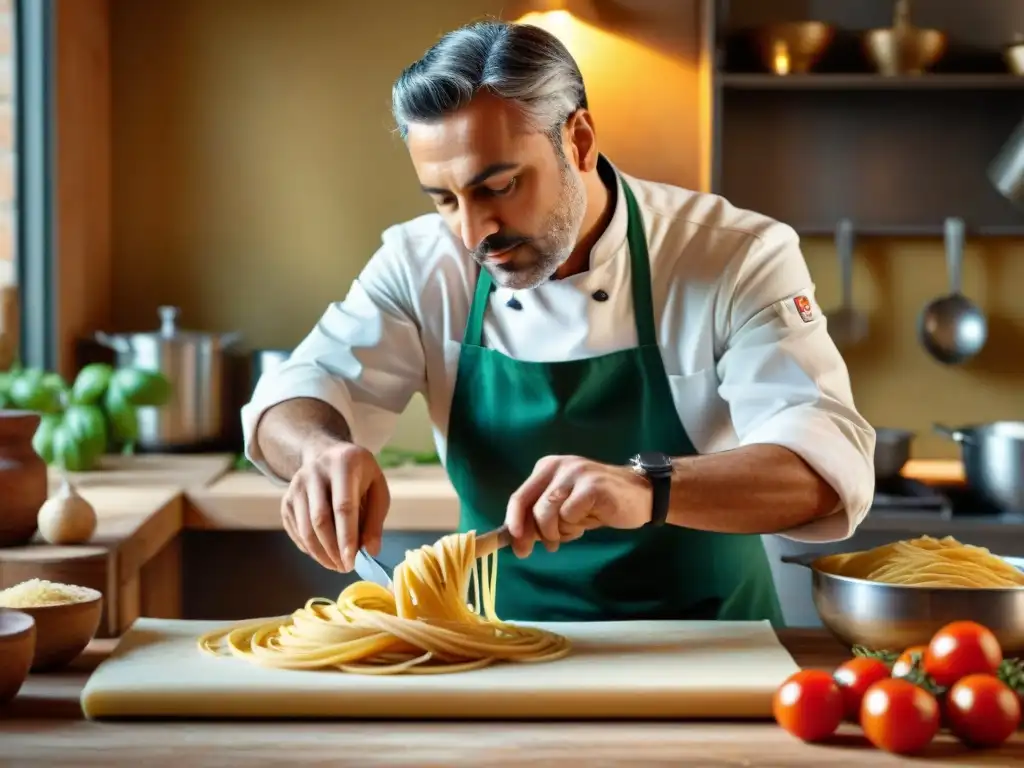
(862, 82)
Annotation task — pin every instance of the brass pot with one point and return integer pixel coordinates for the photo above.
(904, 49)
(793, 47)
(1014, 55)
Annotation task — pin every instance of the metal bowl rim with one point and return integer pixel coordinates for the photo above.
(987, 427)
(1016, 562)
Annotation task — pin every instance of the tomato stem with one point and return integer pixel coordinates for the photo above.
(1011, 671)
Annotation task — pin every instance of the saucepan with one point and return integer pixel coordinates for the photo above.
(893, 617)
(993, 459)
(892, 451)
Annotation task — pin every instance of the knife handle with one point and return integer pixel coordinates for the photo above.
(492, 541)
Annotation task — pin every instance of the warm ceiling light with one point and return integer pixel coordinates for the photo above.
(581, 9)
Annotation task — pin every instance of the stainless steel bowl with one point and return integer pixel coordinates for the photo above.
(893, 617)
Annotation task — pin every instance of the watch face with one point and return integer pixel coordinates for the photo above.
(653, 461)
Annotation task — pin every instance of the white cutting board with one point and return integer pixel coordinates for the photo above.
(671, 669)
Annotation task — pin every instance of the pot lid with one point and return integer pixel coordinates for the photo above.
(170, 331)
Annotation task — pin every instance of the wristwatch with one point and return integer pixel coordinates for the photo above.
(657, 468)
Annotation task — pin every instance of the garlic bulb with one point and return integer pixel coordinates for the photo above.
(66, 518)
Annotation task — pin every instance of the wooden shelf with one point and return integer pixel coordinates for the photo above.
(897, 155)
(866, 81)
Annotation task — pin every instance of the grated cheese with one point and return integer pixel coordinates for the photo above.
(36, 593)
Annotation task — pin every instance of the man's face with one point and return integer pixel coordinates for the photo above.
(501, 186)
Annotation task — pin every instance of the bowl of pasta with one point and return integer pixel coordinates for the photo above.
(898, 595)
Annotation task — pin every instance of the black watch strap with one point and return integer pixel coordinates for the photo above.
(661, 486)
(657, 468)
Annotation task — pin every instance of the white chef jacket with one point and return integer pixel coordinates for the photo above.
(744, 342)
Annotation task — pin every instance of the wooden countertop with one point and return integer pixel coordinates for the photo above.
(422, 498)
(44, 726)
(138, 505)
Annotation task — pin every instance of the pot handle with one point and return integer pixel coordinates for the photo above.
(956, 435)
(116, 343)
(805, 559)
(229, 339)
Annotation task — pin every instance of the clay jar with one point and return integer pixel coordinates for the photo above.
(23, 478)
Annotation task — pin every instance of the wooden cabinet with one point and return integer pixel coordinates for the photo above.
(895, 154)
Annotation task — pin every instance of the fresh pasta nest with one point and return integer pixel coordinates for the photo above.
(926, 562)
(424, 626)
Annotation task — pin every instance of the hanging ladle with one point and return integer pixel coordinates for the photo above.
(952, 328)
(846, 325)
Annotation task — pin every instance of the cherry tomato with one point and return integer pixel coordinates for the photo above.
(905, 662)
(898, 716)
(854, 677)
(809, 705)
(983, 711)
(960, 649)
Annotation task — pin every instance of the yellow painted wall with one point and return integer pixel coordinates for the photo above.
(254, 169)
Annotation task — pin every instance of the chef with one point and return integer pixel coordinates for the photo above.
(636, 378)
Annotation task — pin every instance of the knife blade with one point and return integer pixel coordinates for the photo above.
(371, 569)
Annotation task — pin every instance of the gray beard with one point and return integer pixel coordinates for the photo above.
(549, 253)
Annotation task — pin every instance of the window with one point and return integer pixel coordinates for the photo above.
(25, 115)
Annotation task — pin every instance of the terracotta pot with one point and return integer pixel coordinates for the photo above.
(23, 478)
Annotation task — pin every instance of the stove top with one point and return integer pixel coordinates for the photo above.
(903, 494)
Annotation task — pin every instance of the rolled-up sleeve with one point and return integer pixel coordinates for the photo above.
(787, 384)
(364, 357)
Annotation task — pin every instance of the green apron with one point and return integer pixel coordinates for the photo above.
(506, 414)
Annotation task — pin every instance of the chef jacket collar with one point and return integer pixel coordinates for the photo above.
(614, 236)
(608, 245)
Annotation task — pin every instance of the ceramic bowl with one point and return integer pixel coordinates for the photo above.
(17, 646)
(63, 631)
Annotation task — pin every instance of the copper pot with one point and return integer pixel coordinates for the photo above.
(793, 47)
(23, 478)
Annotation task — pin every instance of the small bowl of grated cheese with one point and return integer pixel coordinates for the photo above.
(66, 616)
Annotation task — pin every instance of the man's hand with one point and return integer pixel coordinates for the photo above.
(337, 500)
(568, 495)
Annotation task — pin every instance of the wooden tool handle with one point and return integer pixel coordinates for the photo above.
(492, 541)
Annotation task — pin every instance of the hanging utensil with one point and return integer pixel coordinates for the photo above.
(1006, 171)
(952, 329)
(846, 325)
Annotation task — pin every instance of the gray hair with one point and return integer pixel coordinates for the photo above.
(519, 62)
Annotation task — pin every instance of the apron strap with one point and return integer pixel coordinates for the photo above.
(640, 277)
(475, 325)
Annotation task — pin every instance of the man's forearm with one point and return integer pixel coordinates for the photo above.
(753, 489)
(294, 429)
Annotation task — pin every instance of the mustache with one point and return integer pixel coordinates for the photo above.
(498, 243)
